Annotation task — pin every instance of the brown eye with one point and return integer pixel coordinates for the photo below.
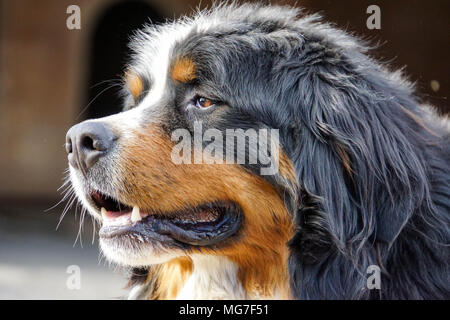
(201, 102)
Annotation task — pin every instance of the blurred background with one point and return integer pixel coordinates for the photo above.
(52, 77)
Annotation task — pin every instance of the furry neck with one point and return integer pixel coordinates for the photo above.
(213, 277)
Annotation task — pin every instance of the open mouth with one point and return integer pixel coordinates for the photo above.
(205, 224)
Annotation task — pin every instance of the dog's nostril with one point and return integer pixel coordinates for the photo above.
(88, 143)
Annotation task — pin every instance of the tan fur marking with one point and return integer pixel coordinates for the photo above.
(155, 183)
(134, 83)
(183, 70)
(287, 173)
(172, 276)
(287, 168)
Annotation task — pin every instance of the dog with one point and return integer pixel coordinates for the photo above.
(362, 179)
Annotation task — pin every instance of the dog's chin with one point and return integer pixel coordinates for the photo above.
(132, 254)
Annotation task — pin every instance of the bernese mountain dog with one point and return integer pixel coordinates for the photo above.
(360, 178)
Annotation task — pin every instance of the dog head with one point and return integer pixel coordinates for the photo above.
(245, 128)
(193, 165)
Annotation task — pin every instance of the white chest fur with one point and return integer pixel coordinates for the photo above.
(212, 278)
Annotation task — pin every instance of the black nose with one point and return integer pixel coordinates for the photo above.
(87, 142)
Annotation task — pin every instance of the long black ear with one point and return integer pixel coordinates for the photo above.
(360, 173)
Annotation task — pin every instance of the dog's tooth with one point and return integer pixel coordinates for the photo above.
(103, 211)
(135, 214)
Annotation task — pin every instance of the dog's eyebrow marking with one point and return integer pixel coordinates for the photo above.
(134, 83)
(183, 70)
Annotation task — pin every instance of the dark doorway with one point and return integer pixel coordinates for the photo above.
(109, 54)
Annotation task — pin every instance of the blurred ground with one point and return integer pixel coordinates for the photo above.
(34, 258)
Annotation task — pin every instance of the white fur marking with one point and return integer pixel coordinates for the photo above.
(212, 278)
